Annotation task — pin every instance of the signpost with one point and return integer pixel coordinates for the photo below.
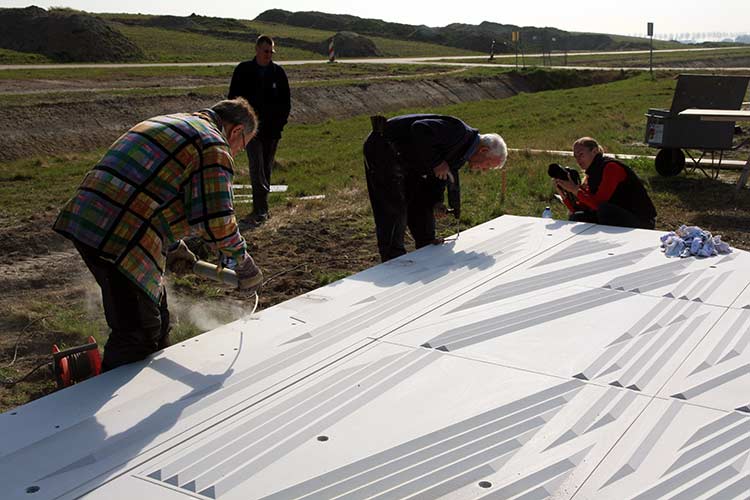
(650, 32)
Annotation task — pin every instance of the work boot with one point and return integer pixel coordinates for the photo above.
(258, 218)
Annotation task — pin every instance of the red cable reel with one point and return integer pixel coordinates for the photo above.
(76, 364)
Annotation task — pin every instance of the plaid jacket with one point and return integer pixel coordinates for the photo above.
(167, 178)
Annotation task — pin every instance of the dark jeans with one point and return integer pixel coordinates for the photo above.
(261, 152)
(398, 200)
(612, 215)
(139, 326)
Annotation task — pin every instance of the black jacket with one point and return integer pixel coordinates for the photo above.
(629, 194)
(266, 91)
(424, 141)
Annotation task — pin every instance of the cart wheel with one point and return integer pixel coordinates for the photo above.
(669, 161)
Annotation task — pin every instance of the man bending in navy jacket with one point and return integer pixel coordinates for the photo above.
(409, 161)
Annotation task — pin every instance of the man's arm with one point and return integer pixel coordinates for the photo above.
(209, 207)
(235, 86)
(285, 99)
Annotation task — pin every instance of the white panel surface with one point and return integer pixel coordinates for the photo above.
(677, 450)
(717, 372)
(400, 421)
(528, 359)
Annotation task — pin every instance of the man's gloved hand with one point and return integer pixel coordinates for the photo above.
(180, 260)
(249, 276)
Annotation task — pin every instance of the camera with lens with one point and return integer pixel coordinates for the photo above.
(557, 171)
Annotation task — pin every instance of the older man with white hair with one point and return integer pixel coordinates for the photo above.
(409, 162)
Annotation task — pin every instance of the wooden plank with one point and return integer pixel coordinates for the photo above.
(718, 115)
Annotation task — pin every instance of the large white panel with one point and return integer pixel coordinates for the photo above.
(679, 451)
(396, 422)
(506, 364)
(611, 337)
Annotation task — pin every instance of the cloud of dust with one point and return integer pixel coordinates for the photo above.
(206, 315)
(92, 297)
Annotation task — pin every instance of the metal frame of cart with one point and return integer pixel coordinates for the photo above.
(722, 115)
(677, 134)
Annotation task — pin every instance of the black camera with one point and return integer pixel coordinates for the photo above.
(557, 171)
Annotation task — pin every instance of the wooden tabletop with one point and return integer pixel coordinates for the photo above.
(717, 115)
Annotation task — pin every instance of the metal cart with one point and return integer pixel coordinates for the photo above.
(673, 134)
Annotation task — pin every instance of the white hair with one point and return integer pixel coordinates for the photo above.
(496, 146)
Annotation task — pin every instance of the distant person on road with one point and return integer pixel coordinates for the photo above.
(265, 86)
(611, 193)
(409, 162)
(166, 178)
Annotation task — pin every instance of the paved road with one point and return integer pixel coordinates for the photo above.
(439, 60)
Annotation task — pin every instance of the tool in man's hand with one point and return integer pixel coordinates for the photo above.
(247, 276)
(454, 202)
(182, 256)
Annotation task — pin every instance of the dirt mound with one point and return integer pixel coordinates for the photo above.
(192, 22)
(65, 36)
(350, 44)
(465, 36)
(219, 27)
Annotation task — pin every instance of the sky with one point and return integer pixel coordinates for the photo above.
(600, 16)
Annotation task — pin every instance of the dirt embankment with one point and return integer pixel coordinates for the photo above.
(62, 127)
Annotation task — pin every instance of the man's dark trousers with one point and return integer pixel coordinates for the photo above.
(139, 326)
(399, 200)
(261, 151)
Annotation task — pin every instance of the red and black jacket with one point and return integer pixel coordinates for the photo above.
(611, 181)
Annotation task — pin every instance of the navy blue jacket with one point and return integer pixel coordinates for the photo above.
(268, 94)
(424, 141)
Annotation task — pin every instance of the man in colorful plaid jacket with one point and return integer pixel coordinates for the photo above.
(167, 178)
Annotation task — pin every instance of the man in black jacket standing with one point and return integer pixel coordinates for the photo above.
(265, 86)
(409, 161)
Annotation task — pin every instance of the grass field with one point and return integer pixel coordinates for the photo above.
(709, 58)
(325, 158)
(112, 75)
(163, 45)
(8, 56)
(170, 45)
(53, 85)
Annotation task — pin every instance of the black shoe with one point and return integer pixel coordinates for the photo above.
(259, 218)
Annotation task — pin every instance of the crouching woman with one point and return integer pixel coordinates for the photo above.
(611, 193)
